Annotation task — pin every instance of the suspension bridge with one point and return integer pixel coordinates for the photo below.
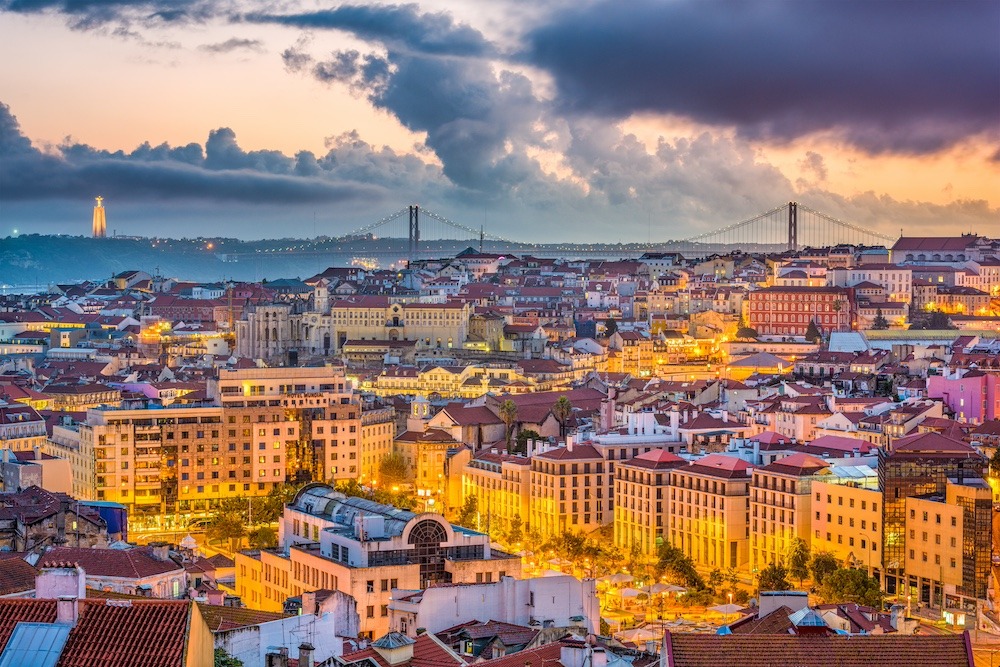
(414, 232)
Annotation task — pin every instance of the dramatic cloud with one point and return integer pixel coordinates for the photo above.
(887, 76)
(224, 173)
(402, 26)
(435, 79)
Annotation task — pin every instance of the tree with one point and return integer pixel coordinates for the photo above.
(733, 578)
(715, 579)
(798, 559)
(880, 323)
(263, 537)
(822, 564)
(521, 446)
(515, 533)
(508, 415)
(223, 659)
(226, 526)
(393, 471)
(774, 577)
(849, 585)
(746, 333)
(610, 327)
(995, 463)
(562, 411)
(468, 515)
(676, 565)
(813, 334)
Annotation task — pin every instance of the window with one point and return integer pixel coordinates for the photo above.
(370, 588)
(370, 612)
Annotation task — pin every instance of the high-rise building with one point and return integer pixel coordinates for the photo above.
(100, 226)
(921, 466)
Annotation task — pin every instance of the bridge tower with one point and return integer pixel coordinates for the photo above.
(793, 226)
(414, 231)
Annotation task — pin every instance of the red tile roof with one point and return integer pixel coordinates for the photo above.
(719, 465)
(150, 633)
(798, 464)
(16, 610)
(16, 575)
(755, 650)
(135, 563)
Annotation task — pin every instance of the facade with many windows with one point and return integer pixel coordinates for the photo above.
(710, 511)
(642, 501)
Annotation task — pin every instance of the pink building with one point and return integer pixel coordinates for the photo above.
(971, 394)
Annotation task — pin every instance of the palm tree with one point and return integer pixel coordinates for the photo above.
(562, 410)
(508, 415)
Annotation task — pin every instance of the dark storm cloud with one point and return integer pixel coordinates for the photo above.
(92, 14)
(223, 173)
(887, 76)
(437, 78)
(404, 26)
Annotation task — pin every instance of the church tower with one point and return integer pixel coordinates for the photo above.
(100, 222)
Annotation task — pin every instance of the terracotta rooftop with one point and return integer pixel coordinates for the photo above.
(135, 563)
(756, 650)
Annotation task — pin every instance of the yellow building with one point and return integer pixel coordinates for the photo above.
(780, 500)
(21, 427)
(946, 553)
(570, 491)
(426, 455)
(501, 484)
(378, 430)
(642, 502)
(847, 517)
(709, 511)
(470, 381)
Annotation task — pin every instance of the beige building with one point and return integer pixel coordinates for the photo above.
(642, 502)
(367, 551)
(709, 511)
(570, 491)
(943, 557)
(847, 517)
(780, 499)
(378, 430)
(501, 484)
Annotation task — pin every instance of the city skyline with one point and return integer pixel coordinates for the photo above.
(657, 122)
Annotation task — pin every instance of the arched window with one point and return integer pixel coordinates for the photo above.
(426, 537)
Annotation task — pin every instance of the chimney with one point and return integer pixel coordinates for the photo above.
(38, 452)
(6, 455)
(725, 416)
(306, 654)
(66, 610)
(896, 614)
(569, 443)
(160, 551)
(276, 657)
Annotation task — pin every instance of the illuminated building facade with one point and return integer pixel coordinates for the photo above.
(642, 501)
(920, 466)
(710, 511)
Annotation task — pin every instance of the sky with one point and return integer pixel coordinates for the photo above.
(583, 120)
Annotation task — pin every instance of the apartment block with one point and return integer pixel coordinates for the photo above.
(710, 511)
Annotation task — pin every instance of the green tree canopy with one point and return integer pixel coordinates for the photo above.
(774, 577)
(813, 334)
(226, 526)
(798, 559)
(676, 565)
(850, 585)
(468, 515)
(880, 323)
(508, 415)
(822, 564)
(393, 471)
(562, 411)
(521, 441)
(610, 327)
